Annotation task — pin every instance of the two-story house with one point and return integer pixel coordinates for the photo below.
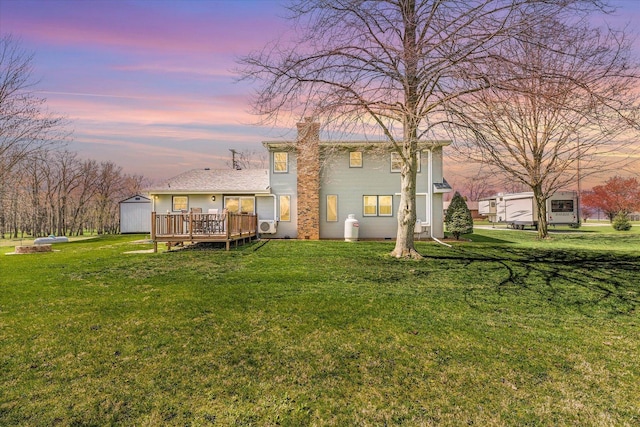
(312, 186)
(317, 184)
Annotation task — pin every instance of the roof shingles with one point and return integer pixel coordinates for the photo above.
(217, 181)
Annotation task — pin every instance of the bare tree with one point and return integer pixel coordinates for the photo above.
(476, 186)
(248, 159)
(11, 204)
(387, 66)
(83, 195)
(25, 125)
(563, 95)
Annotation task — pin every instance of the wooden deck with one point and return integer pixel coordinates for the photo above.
(178, 228)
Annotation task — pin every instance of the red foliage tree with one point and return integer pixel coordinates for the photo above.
(618, 194)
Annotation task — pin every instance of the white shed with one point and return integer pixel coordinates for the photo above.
(135, 215)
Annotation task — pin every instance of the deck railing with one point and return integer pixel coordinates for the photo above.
(202, 226)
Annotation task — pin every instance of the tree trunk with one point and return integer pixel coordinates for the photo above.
(405, 247)
(541, 205)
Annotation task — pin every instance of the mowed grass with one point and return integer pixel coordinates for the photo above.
(499, 330)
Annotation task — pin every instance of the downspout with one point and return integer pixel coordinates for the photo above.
(430, 199)
(275, 206)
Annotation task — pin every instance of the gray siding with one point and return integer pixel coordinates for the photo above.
(285, 184)
(438, 216)
(373, 179)
(163, 202)
(264, 203)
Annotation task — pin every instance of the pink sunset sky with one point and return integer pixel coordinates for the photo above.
(149, 84)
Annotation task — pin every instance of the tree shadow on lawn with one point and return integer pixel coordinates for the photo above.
(479, 238)
(585, 280)
(570, 231)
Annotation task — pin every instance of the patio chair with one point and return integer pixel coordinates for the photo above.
(220, 220)
(197, 220)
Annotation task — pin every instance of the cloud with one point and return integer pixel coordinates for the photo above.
(188, 27)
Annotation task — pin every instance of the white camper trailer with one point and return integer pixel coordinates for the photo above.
(518, 210)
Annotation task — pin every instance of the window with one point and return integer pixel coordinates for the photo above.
(332, 208)
(180, 203)
(396, 161)
(285, 208)
(240, 204)
(562, 206)
(385, 205)
(355, 159)
(280, 162)
(377, 205)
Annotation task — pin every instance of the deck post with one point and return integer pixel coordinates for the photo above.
(153, 225)
(153, 232)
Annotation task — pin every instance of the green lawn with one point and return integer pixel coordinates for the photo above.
(499, 330)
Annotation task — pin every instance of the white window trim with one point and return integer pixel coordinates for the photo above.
(391, 210)
(361, 160)
(240, 202)
(173, 205)
(280, 209)
(286, 169)
(327, 208)
(377, 205)
(364, 210)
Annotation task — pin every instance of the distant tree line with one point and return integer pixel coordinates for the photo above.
(55, 192)
(44, 188)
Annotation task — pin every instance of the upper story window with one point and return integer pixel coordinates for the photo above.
(355, 159)
(179, 203)
(280, 162)
(396, 161)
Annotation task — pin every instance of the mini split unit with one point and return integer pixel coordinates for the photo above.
(267, 226)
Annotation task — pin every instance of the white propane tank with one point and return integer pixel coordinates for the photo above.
(351, 226)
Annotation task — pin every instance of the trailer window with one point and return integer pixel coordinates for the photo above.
(562, 206)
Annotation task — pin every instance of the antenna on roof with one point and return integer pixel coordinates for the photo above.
(234, 163)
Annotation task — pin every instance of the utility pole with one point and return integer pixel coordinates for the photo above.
(579, 198)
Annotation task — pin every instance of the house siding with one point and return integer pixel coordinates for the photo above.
(374, 178)
(351, 184)
(437, 227)
(163, 202)
(285, 184)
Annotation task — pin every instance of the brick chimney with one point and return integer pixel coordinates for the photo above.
(308, 153)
